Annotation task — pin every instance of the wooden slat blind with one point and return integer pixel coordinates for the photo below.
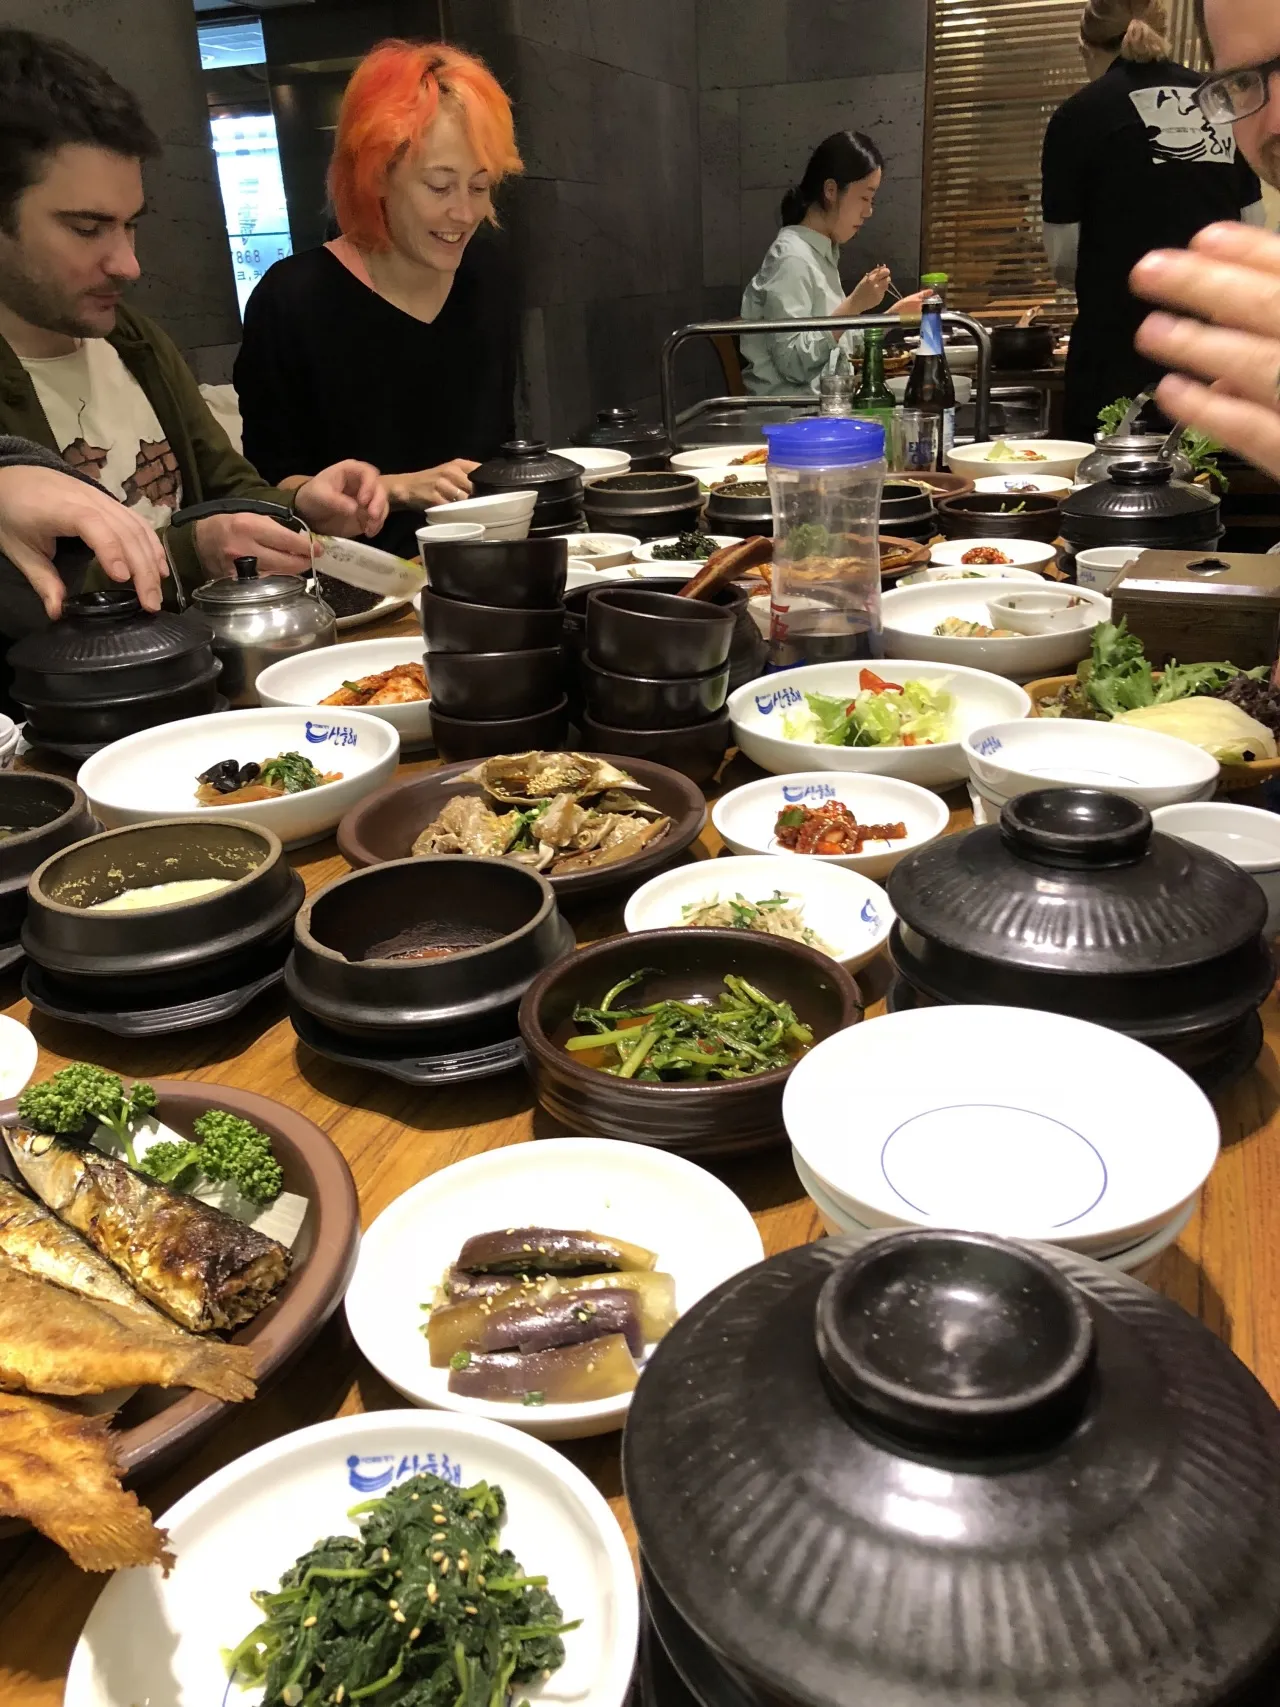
(997, 71)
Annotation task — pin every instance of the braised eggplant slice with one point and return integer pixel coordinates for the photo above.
(549, 1250)
(567, 1375)
(655, 1294)
(460, 1326)
(569, 1318)
(458, 1284)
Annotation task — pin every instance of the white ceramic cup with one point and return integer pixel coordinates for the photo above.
(1097, 569)
(1056, 610)
(436, 532)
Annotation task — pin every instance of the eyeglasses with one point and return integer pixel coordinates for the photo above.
(1234, 95)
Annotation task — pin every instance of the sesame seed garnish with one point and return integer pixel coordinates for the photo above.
(309, 1623)
(436, 1557)
(399, 1617)
(433, 1593)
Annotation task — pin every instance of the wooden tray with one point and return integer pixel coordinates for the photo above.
(158, 1426)
(1235, 779)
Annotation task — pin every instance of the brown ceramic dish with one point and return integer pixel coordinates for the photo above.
(450, 625)
(518, 574)
(44, 813)
(459, 738)
(647, 505)
(640, 702)
(385, 825)
(637, 632)
(723, 1119)
(994, 515)
(493, 685)
(157, 1427)
(899, 556)
(697, 750)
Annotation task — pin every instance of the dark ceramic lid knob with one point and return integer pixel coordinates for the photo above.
(1076, 827)
(1141, 471)
(108, 605)
(956, 1339)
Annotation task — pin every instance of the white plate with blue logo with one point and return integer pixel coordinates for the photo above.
(848, 914)
(747, 817)
(702, 1232)
(155, 773)
(1001, 1120)
(155, 1641)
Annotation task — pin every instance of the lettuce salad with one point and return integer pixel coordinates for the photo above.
(880, 714)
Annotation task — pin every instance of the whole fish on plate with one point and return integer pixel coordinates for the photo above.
(58, 1471)
(33, 1239)
(53, 1341)
(199, 1266)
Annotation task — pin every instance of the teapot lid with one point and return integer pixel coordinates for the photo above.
(947, 1470)
(240, 592)
(109, 628)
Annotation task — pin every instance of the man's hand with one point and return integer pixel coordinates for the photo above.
(346, 499)
(38, 506)
(442, 485)
(1229, 277)
(221, 539)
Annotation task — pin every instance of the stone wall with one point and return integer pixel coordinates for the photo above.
(776, 76)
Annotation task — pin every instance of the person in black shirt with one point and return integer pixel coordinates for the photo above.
(399, 336)
(1130, 163)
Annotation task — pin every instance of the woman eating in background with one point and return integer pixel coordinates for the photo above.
(799, 278)
(397, 337)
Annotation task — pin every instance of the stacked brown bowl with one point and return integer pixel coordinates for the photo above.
(655, 678)
(493, 620)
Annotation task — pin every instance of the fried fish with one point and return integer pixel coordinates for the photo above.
(52, 1341)
(199, 1266)
(58, 1470)
(35, 1241)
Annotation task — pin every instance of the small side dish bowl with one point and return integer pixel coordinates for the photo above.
(758, 710)
(455, 625)
(155, 773)
(638, 632)
(746, 817)
(1009, 759)
(1098, 568)
(1020, 485)
(848, 914)
(643, 702)
(524, 574)
(999, 515)
(1019, 553)
(596, 459)
(971, 572)
(696, 750)
(1246, 835)
(699, 1229)
(1061, 457)
(308, 677)
(911, 616)
(459, 738)
(489, 685)
(710, 1119)
(600, 550)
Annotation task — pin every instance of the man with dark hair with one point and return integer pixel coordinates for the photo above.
(1226, 287)
(86, 376)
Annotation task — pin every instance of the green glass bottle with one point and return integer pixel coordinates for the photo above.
(873, 399)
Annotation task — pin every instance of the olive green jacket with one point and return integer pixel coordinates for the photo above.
(211, 467)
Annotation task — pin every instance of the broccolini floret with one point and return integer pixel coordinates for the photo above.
(72, 1097)
(174, 1162)
(233, 1149)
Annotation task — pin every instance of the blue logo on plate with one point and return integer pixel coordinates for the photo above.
(992, 744)
(376, 1474)
(869, 914)
(811, 791)
(340, 734)
(766, 702)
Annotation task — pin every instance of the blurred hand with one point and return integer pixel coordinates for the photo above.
(40, 505)
(1230, 278)
(346, 499)
(442, 485)
(910, 307)
(868, 293)
(278, 549)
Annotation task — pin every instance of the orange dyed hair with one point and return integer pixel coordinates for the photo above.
(389, 105)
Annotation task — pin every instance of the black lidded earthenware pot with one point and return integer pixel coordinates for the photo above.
(1074, 904)
(740, 508)
(1142, 504)
(647, 505)
(906, 509)
(523, 465)
(944, 1470)
(43, 813)
(619, 429)
(501, 919)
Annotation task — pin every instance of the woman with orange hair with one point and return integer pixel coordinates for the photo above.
(399, 336)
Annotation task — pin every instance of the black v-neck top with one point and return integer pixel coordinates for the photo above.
(329, 369)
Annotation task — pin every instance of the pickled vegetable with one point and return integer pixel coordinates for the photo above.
(567, 1375)
(549, 1250)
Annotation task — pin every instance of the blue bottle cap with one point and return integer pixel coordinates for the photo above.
(825, 442)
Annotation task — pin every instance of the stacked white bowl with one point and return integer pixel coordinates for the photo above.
(1009, 759)
(1001, 1120)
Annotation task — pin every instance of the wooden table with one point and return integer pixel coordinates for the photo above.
(1225, 1268)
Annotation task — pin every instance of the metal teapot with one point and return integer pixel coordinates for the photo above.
(1127, 442)
(257, 620)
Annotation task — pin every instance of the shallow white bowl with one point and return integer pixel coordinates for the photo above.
(435, 533)
(1134, 1259)
(595, 459)
(307, 677)
(1006, 1120)
(963, 383)
(153, 774)
(384, 608)
(745, 817)
(700, 1230)
(715, 456)
(1008, 759)
(757, 709)
(19, 1053)
(910, 615)
(610, 549)
(970, 572)
(1061, 457)
(1246, 835)
(155, 1639)
(691, 565)
(1007, 485)
(506, 515)
(1022, 553)
(850, 914)
(1098, 568)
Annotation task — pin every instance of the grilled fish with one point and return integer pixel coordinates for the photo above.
(58, 1471)
(199, 1266)
(35, 1241)
(51, 1341)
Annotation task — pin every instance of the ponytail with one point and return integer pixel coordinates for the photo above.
(1143, 43)
(1136, 30)
(845, 157)
(794, 207)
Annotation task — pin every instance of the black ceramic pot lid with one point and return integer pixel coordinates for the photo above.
(619, 429)
(942, 1470)
(1141, 504)
(526, 463)
(99, 630)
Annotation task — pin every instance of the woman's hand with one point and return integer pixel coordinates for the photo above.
(443, 485)
(346, 499)
(868, 293)
(911, 307)
(39, 506)
(1230, 277)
